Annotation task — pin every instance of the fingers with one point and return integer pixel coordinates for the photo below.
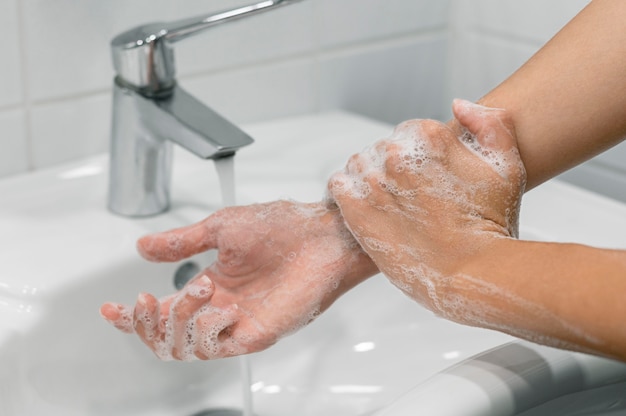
(194, 297)
(211, 335)
(118, 315)
(182, 327)
(180, 243)
(146, 318)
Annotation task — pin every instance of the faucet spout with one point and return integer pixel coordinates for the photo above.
(150, 112)
(185, 120)
(143, 130)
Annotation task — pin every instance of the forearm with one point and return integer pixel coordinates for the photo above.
(563, 295)
(357, 266)
(568, 102)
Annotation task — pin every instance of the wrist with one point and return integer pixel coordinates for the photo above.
(358, 266)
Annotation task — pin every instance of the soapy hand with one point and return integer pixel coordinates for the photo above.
(423, 201)
(279, 265)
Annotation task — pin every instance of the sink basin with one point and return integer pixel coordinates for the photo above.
(63, 254)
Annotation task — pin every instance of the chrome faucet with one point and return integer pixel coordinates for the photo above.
(150, 111)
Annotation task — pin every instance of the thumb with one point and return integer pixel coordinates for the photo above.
(490, 134)
(491, 127)
(349, 198)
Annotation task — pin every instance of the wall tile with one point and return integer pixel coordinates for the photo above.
(68, 40)
(390, 83)
(14, 154)
(381, 58)
(68, 130)
(597, 178)
(492, 38)
(614, 159)
(535, 20)
(10, 70)
(258, 93)
(481, 63)
(346, 21)
(282, 32)
(67, 45)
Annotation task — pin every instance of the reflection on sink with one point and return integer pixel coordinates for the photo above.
(602, 401)
(513, 378)
(63, 254)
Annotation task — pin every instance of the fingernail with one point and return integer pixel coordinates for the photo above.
(202, 281)
(205, 280)
(142, 299)
(201, 286)
(463, 105)
(467, 105)
(142, 302)
(110, 311)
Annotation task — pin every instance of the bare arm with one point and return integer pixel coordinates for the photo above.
(564, 295)
(438, 219)
(568, 102)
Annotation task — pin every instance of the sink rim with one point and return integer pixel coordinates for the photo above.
(75, 192)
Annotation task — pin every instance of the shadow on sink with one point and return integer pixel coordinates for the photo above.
(369, 348)
(71, 362)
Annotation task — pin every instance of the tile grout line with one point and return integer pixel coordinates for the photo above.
(26, 100)
(318, 52)
(316, 58)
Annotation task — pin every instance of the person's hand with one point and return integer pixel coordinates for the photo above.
(423, 201)
(279, 265)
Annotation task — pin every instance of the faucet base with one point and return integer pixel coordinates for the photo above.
(140, 162)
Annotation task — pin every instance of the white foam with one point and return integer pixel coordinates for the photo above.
(502, 162)
(421, 275)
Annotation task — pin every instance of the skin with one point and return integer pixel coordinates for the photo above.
(458, 255)
(279, 265)
(567, 104)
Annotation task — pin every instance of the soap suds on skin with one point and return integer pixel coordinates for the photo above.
(409, 151)
(214, 332)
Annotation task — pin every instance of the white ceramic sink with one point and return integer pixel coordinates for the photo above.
(62, 254)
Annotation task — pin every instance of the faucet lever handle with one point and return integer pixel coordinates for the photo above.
(184, 28)
(143, 57)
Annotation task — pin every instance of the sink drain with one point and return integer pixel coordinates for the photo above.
(184, 273)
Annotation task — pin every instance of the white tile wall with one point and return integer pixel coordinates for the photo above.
(283, 33)
(286, 62)
(387, 59)
(13, 152)
(526, 20)
(481, 62)
(358, 21)
(10, 73)
(392, 83)
(259, 92)
(71, 129)
(489, 39)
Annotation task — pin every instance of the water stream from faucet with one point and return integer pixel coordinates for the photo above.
(225, 168)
